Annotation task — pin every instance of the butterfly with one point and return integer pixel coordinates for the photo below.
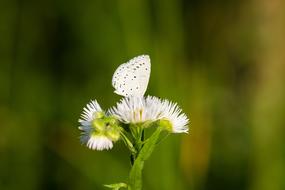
(131, 78)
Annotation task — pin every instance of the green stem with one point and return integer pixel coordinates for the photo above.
(128, 143)
(135, 177)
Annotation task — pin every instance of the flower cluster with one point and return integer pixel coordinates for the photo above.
(141, 109)
(101, 129)
(98, 131)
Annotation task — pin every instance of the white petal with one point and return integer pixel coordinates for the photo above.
(99, 143)
(89, 112)
(173, 113)
(137, 109)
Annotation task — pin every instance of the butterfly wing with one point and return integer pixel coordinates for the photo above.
(131, 78)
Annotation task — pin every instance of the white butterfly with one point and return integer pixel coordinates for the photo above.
(131, 78)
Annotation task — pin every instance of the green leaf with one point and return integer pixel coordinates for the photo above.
(135, 178)
(116, 186)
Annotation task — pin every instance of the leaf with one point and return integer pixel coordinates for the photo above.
(116, 186)
(135, 178)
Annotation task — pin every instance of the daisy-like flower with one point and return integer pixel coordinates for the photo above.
(98, 130)
(135, 109)
(140, 109)
(172, 113)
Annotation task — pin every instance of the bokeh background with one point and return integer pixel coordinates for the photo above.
(223, 62)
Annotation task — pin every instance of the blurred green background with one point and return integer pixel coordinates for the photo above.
(222, 61)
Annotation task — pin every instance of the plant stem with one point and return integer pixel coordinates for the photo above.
(135, 177)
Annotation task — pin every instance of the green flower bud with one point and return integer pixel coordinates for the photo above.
(166, 125)
(98, 125)
(107, 126)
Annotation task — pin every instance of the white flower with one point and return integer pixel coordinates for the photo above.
(98, 130)
(140, 109)
(137, 109)
(177, 119)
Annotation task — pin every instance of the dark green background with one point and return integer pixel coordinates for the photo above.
(222, 61)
